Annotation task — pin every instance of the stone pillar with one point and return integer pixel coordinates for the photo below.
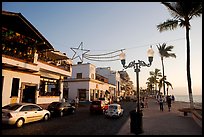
(61, 89)
(35, 57)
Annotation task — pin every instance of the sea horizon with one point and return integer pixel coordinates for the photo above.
(185, 98)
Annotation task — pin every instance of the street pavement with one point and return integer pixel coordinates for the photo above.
(156, 122)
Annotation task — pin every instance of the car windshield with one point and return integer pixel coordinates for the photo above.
(112, 107)
(12, 106)
(55, 104)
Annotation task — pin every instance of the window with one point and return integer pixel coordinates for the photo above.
(15, 87)
(49, 87)
(82, 94)
(79, 75)
(27, 108)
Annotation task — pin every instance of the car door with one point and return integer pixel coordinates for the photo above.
(28, 113)
(38, 113)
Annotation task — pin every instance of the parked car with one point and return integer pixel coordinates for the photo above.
(106, 100)
(61, 108)
(71, 101)
(20, 113)
(114, 110)
(98, 106)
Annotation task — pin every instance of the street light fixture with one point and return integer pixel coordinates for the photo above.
(136, 66)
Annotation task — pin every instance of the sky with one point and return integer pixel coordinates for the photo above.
(105, 27)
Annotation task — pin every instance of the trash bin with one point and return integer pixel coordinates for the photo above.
(136, 125)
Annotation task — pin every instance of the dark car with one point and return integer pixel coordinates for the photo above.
(98, 106)
(61, 108)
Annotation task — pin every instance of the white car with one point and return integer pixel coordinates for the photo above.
(114, 110)
(20, 113)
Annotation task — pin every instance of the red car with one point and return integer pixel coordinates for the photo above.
(98, 106)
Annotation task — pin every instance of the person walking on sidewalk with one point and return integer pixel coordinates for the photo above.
(77, 102)
(168, 100)
(146, 102)
(161, 103)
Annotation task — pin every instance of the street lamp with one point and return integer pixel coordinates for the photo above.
(136, 66)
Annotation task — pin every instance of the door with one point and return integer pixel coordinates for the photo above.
(29, 94)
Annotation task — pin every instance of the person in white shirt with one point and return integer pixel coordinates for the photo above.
(161, 103)
(77, 102)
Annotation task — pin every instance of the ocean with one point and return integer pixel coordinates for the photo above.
(185, 98)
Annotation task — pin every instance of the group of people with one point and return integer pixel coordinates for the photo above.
(168, 100)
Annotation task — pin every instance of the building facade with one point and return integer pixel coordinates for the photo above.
(87, 85)
(32, 70)
(113, 78)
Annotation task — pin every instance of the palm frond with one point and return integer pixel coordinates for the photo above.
(169, 48)
(170, 55)
(168, 84)
(167, 25)
(173, 9)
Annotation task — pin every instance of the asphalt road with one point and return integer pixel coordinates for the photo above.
(80, 123)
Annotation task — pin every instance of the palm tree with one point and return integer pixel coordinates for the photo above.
(156, 73)
(164, 52)
(163, 81)
(182, 12)
(150, 83)
(168, 84)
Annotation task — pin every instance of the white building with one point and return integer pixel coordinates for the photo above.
(113, 78)
(32, 71)
(87, 85)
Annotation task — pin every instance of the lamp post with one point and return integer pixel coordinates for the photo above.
(136, 66)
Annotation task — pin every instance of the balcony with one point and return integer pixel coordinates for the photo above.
(24, 53)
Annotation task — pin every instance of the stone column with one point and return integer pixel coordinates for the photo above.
(61, 89)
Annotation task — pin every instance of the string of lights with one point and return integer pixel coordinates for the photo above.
(99, 57)
(114, 55)
(89, 55)
(102, 59)
(110, 56)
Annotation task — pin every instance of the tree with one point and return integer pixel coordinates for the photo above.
(156, 74)
(163, 81)
(150, 83)
(182, 12)
(164, 51)
(168, 84)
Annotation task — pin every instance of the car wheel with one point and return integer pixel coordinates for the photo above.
(46, 117)
(20, 122)
(61, 113)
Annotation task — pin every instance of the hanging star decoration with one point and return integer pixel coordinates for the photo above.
(79, 52)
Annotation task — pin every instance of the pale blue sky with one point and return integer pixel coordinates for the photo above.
(108, 26)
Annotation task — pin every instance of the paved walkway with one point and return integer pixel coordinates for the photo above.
(156, 122)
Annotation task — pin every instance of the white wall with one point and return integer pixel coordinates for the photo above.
(85, 69)
(74, 86)
(7, 84)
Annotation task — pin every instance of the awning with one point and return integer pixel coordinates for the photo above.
(57, 55)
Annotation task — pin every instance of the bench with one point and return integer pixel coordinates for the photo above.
(185, 111)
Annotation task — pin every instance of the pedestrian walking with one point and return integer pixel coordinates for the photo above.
(77, 102)
(172, 98)
(169, 102)
(142, 102)
(146, 102)
(161, 103)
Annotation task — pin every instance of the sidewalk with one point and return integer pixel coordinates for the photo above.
(156, 122)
